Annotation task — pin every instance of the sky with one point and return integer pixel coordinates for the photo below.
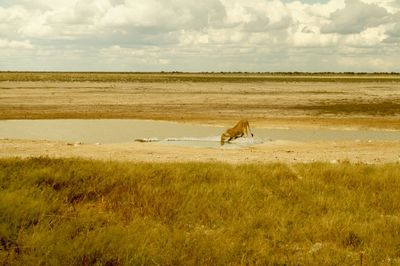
(200, 35)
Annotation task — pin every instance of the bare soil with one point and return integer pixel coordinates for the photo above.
(275, 151)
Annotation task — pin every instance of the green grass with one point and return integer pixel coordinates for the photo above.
(238, 77)
(82, 212)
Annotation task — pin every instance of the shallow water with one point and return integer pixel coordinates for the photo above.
(125, 130)
(103, 130)
(210, 142)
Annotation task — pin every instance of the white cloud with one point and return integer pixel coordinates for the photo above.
(368, 64)
(12, 14)
(255, 15)
(7, 44)
(355, 17)
(312, 39)
(193, 38)
(139, 14)
(371, 37)
(392, 6)
(393, 34)
(162, 15)
(256, 35)
(150, 54)
(36, 26)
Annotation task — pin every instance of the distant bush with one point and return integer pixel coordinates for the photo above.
(176, 76)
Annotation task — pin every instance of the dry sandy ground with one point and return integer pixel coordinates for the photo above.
(293, 104)
(274, 151)
(328, 104)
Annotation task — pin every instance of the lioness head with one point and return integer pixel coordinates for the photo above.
(224, 137)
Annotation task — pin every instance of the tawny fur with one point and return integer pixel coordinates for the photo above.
(241, 128)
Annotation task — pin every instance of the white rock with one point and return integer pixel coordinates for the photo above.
(316, 247)
(77, 143)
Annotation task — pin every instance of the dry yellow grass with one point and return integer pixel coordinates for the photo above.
(74, 212)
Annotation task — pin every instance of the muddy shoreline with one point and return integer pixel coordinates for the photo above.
(274, 151)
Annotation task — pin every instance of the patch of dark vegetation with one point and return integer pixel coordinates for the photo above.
(352, 240)
(319, 92)
(354, 108)
(238, 77)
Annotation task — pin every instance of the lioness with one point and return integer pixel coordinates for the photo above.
(242, 127)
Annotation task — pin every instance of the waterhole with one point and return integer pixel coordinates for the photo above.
(127, 130)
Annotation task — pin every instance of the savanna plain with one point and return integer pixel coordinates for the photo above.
(277, 203)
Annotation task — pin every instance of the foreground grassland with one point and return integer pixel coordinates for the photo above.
(81, 212)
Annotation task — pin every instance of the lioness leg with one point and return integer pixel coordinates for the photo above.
(248, 127)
